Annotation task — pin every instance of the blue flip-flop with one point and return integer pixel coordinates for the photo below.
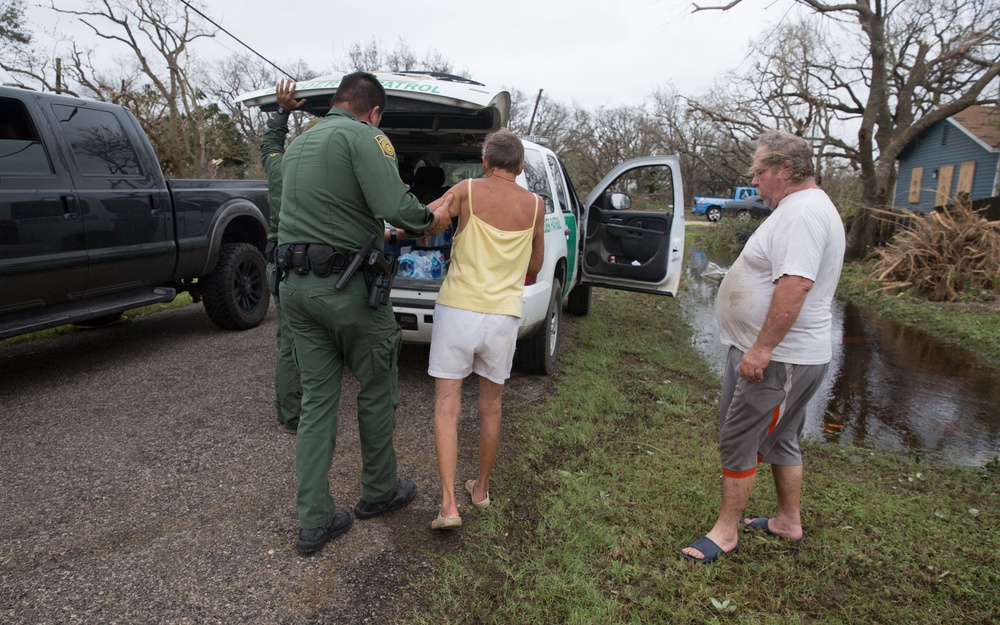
(760, 523)
(709, 549)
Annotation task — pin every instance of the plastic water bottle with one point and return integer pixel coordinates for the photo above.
(405, 266)
(437, 265)
(422, 267)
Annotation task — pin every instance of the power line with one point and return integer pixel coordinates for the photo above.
(237, 39)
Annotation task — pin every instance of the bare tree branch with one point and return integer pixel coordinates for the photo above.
(889, 70)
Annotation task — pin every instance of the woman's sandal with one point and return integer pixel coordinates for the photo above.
(446, 522)
(469, 486)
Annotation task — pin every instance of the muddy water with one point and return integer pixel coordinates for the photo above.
(888, 388)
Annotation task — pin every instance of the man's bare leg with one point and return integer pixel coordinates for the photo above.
(447, 409)
(735, 495)
(788, 486)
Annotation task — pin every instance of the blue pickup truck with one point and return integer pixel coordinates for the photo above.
(711, 207)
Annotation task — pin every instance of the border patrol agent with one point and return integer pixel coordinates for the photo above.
(287, 388)
(341, 182)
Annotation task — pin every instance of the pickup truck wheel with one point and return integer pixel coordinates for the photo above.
(235, 294)
(537, 354)
(578, 302)
(714, 213)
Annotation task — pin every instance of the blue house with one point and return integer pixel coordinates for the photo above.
(958, 156)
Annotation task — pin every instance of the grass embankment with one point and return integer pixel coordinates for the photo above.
(973, 322)
(975, 326)
(619, 470)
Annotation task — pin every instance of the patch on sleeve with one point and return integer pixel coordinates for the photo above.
(274, 154)
(386, 146)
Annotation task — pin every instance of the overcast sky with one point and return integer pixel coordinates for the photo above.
(587, 52)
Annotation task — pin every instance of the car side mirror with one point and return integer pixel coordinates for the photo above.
(621, 201)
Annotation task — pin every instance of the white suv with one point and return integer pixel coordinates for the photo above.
(626, 234)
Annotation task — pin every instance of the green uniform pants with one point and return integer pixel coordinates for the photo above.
(332, 328)
(287, 388)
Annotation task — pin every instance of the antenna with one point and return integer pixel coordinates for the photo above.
(235, 38)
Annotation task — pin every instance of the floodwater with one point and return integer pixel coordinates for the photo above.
(888, 387)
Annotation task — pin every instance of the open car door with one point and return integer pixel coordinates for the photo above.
(634, 227)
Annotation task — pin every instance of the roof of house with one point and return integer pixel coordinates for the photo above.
(983, 122)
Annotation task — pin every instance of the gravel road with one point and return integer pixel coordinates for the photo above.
(145, 480)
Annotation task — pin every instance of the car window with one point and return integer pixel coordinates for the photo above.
(99, 142)
(21, 149)
(575, 204)
(648, 188)
(560, 196)
(455, 172)
(538, 180)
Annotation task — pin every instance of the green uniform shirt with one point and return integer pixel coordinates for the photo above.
(272, 148)
(341, 181)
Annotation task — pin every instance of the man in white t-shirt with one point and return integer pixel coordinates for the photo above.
(774, 309)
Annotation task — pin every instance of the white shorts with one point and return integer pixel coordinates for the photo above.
(463, 341)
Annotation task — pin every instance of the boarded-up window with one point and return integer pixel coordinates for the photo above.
(965, 176)
(945, 176)
(915, 179)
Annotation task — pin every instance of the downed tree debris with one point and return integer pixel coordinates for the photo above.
(945, 256)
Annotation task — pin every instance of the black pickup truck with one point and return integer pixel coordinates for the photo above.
(89, 226)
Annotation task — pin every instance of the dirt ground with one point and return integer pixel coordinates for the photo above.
(145, 480)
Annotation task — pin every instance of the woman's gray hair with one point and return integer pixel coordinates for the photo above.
(776, 147)
(503, 150)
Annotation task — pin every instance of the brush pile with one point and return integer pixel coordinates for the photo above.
(945, 256)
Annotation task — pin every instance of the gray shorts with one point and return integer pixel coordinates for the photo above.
(463, 341)
(762, 421)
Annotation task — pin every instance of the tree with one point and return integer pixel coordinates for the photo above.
(372, 57)
(159, 85)
(243, 73)
(155, 76)
(13, 30)
(17, 57)
(890, 69)
(538, 116)
(595, 142)
(715, 151)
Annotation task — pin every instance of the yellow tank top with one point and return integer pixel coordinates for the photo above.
(488, 266)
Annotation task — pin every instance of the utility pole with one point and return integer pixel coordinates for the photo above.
(531, 124)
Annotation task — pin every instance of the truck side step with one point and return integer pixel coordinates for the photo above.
(114, 304)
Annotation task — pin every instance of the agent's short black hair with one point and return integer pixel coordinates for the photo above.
(359, 93)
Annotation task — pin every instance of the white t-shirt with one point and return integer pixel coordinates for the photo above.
(804, 237)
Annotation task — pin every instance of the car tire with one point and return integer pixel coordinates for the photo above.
(743, 215)
(537, 354)
(578, 302)
(235, 293)
(714, 213)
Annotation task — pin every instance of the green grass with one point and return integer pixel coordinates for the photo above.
(619, 470)
(181, 300)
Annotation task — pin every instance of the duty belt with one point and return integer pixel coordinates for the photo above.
(301, 258)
